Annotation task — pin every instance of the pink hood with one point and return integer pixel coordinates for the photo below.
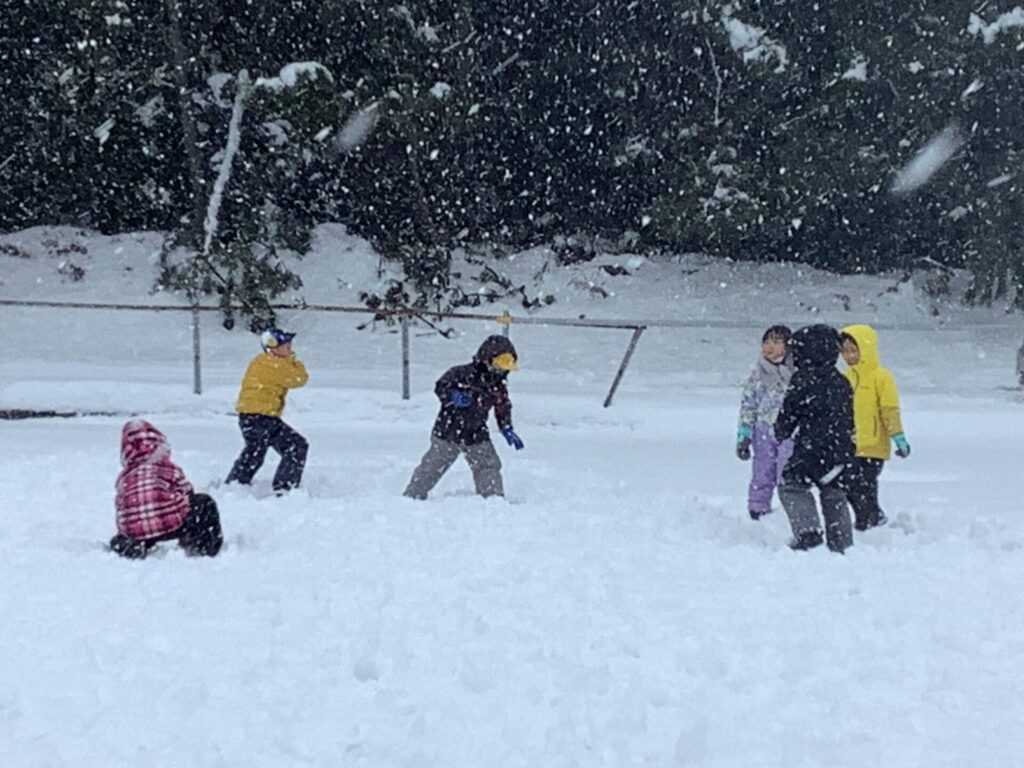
(142, 443)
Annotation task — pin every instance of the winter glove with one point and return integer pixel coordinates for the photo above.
(512, 438)
(743, 433)
(902, 446)
(460, 398)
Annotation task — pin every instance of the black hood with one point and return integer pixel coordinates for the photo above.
(815, 346)
(492, 347)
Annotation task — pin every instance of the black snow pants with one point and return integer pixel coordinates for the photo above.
(861, 484)
(200, 533)
(261, 433)
(798, 501)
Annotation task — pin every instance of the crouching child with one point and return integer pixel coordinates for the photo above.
(155, 502)
(817, 414)
(467, 394)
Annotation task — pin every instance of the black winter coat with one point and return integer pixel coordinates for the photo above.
(817, 411)
(468, 426)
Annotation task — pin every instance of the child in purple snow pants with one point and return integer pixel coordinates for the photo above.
(759, 406)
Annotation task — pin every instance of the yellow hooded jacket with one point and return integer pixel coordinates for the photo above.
(266, 382)
(876, 402)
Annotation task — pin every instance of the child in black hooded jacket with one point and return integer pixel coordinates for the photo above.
(817, 413)
(467, 394)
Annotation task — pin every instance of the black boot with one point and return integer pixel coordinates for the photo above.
(872, 521)
(806, 540)
(128, 547)
(201, 532)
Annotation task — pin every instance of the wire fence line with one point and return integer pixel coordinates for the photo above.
(407, 314)
(404, 316)
(504, 317)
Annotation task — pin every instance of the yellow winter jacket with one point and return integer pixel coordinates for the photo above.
(876, 402)
(266, 382)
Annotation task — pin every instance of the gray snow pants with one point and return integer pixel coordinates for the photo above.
(799, 504)
(482, 459)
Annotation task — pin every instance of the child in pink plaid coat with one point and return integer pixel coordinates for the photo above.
(155, 502)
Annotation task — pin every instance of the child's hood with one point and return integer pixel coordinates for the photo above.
(867, 341)
(493, 346)
(815, 346)
(141, 442)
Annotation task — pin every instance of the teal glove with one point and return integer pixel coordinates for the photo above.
(902, 446)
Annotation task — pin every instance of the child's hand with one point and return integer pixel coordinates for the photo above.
(902, 446)
(743, 434)
(460, 398)
(743, 448)
(512, 438)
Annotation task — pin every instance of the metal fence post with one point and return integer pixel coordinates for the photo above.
(506, 320)
(404, 322)
(625, 363)
(197, 367)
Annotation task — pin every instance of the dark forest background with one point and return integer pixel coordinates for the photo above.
(758, 131)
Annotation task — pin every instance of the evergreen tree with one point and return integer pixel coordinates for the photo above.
(747, 129)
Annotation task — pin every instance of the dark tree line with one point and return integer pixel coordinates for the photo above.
(751, 130)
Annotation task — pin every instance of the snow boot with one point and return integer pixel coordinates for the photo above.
(126, 546)
(806, 540)
(864, 524)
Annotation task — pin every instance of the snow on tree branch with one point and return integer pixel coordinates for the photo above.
(224, 172)
(753, 43)
(291, 73)
(977, 26)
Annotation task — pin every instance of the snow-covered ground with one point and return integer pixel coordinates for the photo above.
(617, 609)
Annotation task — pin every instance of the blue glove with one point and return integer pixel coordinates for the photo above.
(460, 398)
(902, 446)
(512, 438)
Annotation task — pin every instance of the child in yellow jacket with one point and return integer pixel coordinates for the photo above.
(260, 404)
(876, 416)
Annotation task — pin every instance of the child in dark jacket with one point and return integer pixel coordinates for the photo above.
(155, 502)
(467, 394)
(817, 413)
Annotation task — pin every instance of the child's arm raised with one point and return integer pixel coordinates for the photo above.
(289, 371)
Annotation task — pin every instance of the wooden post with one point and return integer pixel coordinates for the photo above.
(405, 356)
(637, 332)
(197, 368)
